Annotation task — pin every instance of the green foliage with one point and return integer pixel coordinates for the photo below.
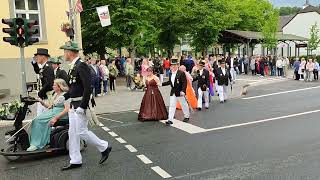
(314, 40)
(289, 10)
(270, 28)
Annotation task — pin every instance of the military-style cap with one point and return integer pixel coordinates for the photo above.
(174, 60)
(222, 61)
(56, 60)
(71, 46)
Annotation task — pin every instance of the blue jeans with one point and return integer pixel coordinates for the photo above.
(105, 86)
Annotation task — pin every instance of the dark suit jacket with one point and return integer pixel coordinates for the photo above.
(62, 74)
(203, 80)
(223, 79)
(80, 84)
(46, 77)
(180, 84)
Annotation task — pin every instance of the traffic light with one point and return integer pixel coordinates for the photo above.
(11, 31)
(21, 31)
(30, 31)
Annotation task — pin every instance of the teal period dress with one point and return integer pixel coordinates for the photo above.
(41, 129)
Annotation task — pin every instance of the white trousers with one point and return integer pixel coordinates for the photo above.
(40, 108)
(173, 106)
(233, 74)
(223, 92)
(78, 129)
(161, 78)
(206, 98)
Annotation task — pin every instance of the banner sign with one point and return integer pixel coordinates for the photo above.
(104, 16)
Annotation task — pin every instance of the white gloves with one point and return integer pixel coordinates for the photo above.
(182, 93)
(79, 110)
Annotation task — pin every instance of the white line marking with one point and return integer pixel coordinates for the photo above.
(136, 112)
(105, 128)
(262, 121)
(284, 92)
(109, 119)
(144, 159)
(189, 128)
(131, 148)
(122, 141)
(101, 125)
(161, 172)
(113, 134)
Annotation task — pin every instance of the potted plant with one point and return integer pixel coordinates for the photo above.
(67, 28)
(8, 111)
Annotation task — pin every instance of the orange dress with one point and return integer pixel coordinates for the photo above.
(191, 97)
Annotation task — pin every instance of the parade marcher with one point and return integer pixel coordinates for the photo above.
(58, 72)
(152, 106)
(79, 94)
(178, 83)
(203, 85)
(232, 66)
(223, 77)
(46, 76)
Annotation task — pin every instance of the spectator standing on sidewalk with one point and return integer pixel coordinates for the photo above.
(296, 67)
(286, 64)
(309, 70)
(246, 64)
(302, 68)
(129, 71)
(113, 73)
(253, 65)
(95, 77)
(105, 76)
(166, 66)
(316, 69)
(279, 65)
(145, 65)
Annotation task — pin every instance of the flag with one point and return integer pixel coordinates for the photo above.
(78, 7)
(104, 16)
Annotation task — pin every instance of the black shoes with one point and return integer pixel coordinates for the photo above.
(186, 119)
(221, 102)
(169, 122)
(70, 166)
(199, 109)
(105, 155)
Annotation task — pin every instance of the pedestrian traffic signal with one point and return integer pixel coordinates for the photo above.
(21, 31)
(30, 31)
(11, 31)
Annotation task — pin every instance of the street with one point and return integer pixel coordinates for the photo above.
(271, 133)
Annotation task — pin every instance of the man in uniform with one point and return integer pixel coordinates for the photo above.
(223, 77)
(178, 82)
(79, 93)
(46, 75)
(58, 72)
(203, 85)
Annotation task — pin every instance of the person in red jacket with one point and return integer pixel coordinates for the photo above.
(166, 66)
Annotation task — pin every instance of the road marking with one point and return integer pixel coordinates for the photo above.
(109, 119)
(113, 134)
(161, 172)
(284, 92)
(101, 125)
(105, 128)
(131, 148)
(189, 128)
(262, 121)
(144, 159)
(120, 140)
(137, 112)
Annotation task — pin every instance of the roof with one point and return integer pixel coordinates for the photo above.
(235, 36)
(284, 20)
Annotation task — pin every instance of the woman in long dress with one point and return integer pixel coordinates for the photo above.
(190, 95)
(57, 111)
(152, 106)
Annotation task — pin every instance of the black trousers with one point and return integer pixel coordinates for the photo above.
(316, 74)
(246, 68)
(112, 83)
(297, 75)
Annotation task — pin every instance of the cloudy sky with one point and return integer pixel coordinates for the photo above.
(298, 3)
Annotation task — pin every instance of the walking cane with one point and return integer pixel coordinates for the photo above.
(18, 131)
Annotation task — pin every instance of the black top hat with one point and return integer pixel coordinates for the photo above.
(174, 62)
(42, 51)
(221, 61)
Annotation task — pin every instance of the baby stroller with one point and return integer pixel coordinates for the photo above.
(138, 82)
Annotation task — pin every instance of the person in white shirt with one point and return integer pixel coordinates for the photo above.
(279, 65)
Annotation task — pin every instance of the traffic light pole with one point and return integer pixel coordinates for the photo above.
(23, 73)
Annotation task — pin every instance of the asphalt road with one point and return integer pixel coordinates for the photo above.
(269, 134)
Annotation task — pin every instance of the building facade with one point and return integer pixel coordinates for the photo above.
(50, 15)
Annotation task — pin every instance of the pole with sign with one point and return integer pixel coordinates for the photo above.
(104, 16)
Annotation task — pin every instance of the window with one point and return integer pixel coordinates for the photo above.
(29, 9)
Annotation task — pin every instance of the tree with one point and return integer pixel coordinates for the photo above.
(284, 11)
(209, 18)
(314, 40)
(269, 30)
